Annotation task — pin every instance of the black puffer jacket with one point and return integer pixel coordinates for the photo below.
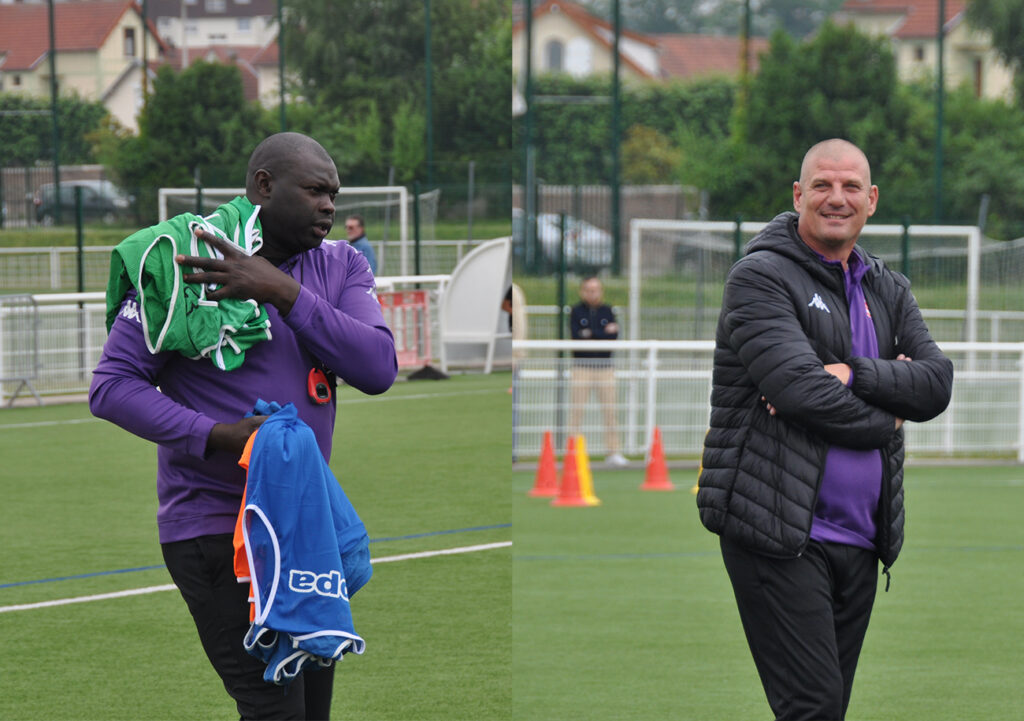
(761, 473)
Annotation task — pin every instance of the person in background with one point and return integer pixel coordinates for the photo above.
(326, 325)
(593, 370)
(356, 233)
(821, 353)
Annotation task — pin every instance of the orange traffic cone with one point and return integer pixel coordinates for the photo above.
(546, 483)
(657, 472)
(569, 493)
(583, 470)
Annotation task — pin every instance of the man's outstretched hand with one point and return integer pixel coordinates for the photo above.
(240, 276)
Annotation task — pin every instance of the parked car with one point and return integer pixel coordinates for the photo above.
(101, 201)
(585, 244)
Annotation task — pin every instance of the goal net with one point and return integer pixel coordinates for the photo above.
(387, 211)
(968, 290)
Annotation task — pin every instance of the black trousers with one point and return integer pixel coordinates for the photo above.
(203, 570)
(805, 620)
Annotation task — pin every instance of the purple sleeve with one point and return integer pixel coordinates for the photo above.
(123, 391)
(351, 338)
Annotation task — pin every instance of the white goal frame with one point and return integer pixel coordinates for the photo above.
(971, 233)
(387, 191)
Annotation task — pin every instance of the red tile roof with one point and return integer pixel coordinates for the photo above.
(921, 17)
(689, 56)
(25, 35)
(597, 28)
(247, 57)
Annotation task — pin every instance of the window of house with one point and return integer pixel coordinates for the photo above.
(15, 80)
(216, 6)
(979, 77)
(554, 54)
(129, 42)
(919, 53)
(244, 25)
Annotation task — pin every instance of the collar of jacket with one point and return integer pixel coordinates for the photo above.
(780, 236)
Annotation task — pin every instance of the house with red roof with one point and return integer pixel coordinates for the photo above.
(99, 52)
(188, 24)
(912, 26)
(569, 39)
(258, 66)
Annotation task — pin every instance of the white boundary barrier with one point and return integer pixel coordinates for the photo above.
(71, 332)
(668, 384)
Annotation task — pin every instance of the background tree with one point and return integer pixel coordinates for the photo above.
(838, 84)
(353, 135)
(373, 50)
(1004, 19)
(573, 139)
(26, 129)
(196, 119)
(648, 157)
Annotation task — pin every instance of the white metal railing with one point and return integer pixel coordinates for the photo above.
(946, 325)
(32, 270)
(668, 384)
(70, 331)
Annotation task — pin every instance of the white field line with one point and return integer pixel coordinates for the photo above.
(172, 587)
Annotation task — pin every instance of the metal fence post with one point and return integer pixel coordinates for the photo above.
(905, 248)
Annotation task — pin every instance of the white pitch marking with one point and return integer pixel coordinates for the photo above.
(172, 587)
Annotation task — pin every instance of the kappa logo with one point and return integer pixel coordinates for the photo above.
(130, 311)
(331, 584)
(817, 302)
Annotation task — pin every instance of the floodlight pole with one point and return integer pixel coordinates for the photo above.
(145, 54)
(616, 143)
(532, 253)
(940, 91)
(280, 63)
(429, 92)
(53, 115)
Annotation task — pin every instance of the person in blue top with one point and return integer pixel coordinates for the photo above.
(593, 370)
(821, 354)
(356, 232)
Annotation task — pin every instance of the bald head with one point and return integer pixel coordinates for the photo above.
(280, 150)
(833, 149)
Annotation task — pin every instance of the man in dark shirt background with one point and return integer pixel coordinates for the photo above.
(592, 370)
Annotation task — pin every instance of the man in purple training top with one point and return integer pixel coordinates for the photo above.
(326, 323)
(820, 355)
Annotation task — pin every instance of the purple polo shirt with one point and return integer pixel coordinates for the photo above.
(336, 323)
(852, 480)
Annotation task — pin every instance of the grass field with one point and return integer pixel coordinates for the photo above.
(426, 465)
(624, 611)
(617, 612)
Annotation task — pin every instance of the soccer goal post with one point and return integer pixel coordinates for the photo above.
(386, 212)
(676, 265)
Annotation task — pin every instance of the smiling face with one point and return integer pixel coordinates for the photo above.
(295, 186)
(834, 198)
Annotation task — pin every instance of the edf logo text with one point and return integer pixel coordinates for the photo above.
(330, 584)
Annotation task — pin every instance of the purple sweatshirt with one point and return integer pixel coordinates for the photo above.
(852, 480)
(336, 323)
